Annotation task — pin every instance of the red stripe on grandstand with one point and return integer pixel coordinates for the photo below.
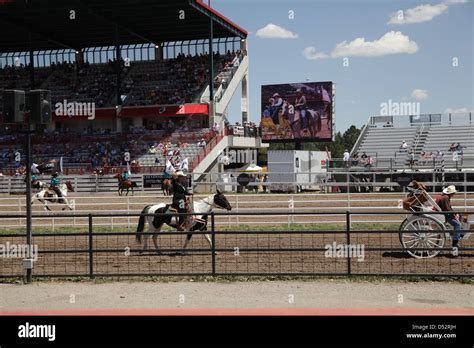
(201, 3)
(143, 111)
(253, 312)
(167, 110)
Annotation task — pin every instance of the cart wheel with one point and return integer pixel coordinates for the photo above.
(421, 231)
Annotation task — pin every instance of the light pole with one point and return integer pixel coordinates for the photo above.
(29, 238)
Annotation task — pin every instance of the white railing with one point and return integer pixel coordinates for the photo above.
(336, 202)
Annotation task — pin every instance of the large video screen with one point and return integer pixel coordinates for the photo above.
(297, 112)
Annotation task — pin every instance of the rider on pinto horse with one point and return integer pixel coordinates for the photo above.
(179, 199)
(54, 185)
(35, 182)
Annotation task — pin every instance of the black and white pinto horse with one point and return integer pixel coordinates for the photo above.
(201, 208)
(46, 195)
(39, 185)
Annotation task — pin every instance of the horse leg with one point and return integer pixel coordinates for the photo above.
(155, 243)
(186, 242)
(68, 206)
(145, 243)
(155, 238)
(45, 206)
(208, 238)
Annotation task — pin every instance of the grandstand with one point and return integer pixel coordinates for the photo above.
(150, 86)
(429, 141)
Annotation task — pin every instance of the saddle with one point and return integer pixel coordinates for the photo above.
(49, 193)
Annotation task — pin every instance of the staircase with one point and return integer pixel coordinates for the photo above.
(223, 95)
(419, 142)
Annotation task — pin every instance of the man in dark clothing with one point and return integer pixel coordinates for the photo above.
(179, 199)
(444, 202)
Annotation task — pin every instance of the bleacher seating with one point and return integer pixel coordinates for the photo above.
(88, 83)
(171, 81)
(19, 78)
(383, 144)
(440, 138)
(92, 151)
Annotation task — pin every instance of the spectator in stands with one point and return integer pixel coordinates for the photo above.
(412, 158)
(404, 146)
(246, 129)
(439, 156)
(346, 158)
(370, 162)
(201, 143)
(355, 160)
(363, 158)
(216, 127)
(452, 148)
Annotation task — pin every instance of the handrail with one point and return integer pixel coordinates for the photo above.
(361, 136)
(418, 136)
(208, 148)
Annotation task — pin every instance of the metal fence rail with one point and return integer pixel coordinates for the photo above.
(281, 251)
(278, 203)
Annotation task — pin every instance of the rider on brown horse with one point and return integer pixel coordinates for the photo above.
(125, 176)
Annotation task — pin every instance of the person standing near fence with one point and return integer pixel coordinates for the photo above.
(346, 158)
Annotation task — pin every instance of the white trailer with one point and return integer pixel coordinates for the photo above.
(295, 171)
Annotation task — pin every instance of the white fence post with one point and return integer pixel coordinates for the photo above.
(128, 212)
(19, 209)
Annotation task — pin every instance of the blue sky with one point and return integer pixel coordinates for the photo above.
(414, 63)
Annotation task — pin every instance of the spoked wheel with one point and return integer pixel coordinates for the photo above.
(421, 231)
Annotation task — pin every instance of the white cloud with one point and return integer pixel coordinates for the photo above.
(449, 2)
(458, 111)
(311, 53)
(272, 31)
(393, 42)
(422, 13)
(419, 94)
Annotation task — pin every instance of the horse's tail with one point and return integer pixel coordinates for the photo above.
(141, 224)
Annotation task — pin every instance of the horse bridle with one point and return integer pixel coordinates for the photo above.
(213, 204)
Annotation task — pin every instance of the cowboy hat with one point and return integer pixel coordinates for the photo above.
(450, 190)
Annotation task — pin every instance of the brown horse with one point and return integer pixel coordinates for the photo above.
(124, 184)
(167, 187)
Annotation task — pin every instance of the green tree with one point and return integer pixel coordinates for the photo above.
(336, 147)
(350, 136)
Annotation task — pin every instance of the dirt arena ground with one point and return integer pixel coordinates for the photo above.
(117, 252)
(387, 297)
